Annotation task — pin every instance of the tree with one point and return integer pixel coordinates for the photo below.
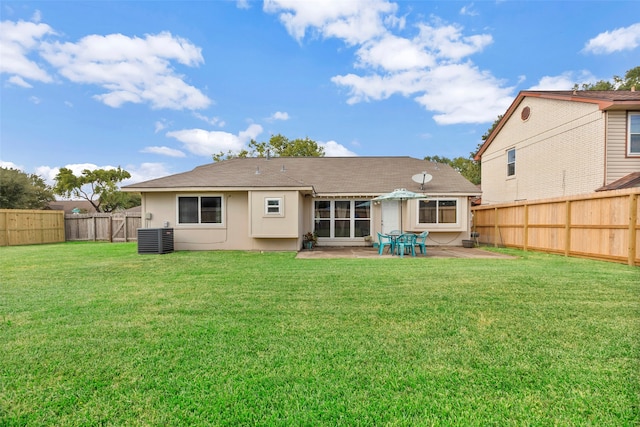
(631, 79)
(278, 146)
(19, 190)
(467, 167)
(119, 200)
(488, 132)
(96, 186)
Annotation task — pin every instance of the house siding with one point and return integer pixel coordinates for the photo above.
(618, 164)
(558, 152)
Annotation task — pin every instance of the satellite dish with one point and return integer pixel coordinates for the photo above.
(422, 179)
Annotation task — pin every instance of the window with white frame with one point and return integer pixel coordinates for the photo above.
(438, 211)
(273, 206)
(634, 134)
(511, 162)
(199, 209)
(342, 218)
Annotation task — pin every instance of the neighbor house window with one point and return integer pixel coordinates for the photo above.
(342, 218)
(199, 210)
(438, 211)
(273, 206)
(511, 162)
(634, 134)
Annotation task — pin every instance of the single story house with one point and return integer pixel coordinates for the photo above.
(562, 143)
(71, 206)
(264, 203)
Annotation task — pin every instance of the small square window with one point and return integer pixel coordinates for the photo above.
(273, 206)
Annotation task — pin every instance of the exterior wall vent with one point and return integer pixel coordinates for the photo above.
(155, 240)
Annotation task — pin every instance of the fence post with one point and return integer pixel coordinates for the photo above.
(633, 219)
(496, 229)
(525, 230)
(567, 228)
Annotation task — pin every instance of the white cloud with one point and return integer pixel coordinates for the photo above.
(394, 53)
(564, 81)
(561, 82)
(19, 81)
(35, 100)
(160, 125)
(49, 173)
(353, 21)
(213, 121)
(377, 87)
(461, 93)
(243, 4)
(10, 165)
(333, 149)
(614, 41)
(163, 151)
(468, 10)
(17, 41)
(37, 16)
(448, 43)
(205, 143)
(432, 67)
(131, 69)
(145, 172)
(279, 115)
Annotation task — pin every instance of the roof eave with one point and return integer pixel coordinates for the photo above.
(211, 189)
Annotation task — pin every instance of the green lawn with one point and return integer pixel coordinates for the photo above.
(95, 334)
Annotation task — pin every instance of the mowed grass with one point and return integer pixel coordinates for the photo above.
(95, 334)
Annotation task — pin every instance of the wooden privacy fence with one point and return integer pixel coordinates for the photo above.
(30, 227)
(112, 227)
(603, 225)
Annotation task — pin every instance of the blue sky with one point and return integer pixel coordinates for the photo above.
(157, 87)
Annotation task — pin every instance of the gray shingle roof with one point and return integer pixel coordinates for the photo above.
(324, 175)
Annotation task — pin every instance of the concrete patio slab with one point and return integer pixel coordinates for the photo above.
(369, 252)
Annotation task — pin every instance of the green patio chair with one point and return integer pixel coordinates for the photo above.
(405, 242)
(384, 240)
(421, 242)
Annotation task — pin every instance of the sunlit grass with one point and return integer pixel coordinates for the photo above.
(95, 334)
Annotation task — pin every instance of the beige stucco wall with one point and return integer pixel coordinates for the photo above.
(439, 234)
(618, 163)
(559, 152)
(284, 225)
(233, 233)
(443, 234)
(241, 230)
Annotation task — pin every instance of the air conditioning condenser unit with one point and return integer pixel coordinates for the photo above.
(155, 240)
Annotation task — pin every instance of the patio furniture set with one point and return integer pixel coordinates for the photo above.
(400, 243)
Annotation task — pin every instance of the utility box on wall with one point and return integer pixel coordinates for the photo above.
(155, 240)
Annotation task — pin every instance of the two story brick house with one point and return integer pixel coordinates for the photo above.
(562, 143)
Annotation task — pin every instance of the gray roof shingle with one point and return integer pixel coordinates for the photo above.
(323, 175)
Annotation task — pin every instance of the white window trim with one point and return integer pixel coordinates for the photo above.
(200, 224)
(629, 152)
(332, 219)
(440, 225)
(515, 170)
(280, 206)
